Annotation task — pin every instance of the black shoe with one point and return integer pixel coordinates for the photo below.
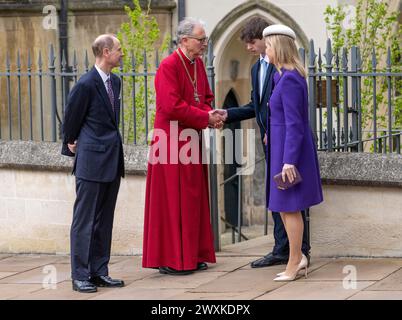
(201, 266)
(106, 281)
(84, 286)
(269, 260)
(174, 272)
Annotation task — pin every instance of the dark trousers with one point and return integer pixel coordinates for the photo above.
(281, 247)
(91, 229)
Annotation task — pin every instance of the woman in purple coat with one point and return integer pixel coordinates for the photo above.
(291, 144)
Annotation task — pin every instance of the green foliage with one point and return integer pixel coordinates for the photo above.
(138, 38)
(396, 62)
(373, 26)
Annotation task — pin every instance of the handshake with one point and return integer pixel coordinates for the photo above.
(216, 118)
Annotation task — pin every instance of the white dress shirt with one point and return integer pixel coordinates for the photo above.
(103, 75)
(262, 73)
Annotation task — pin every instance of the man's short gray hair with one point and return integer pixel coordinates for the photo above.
(186, 27)
(101, 42)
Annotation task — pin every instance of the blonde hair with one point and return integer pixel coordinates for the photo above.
(286, 52)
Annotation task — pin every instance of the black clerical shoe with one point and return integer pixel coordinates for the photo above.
(106, 281)
(269, 260)
(84, 286)
(174, 272)
(201, 266)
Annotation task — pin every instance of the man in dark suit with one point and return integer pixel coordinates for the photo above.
(91, 134)
(262, 85)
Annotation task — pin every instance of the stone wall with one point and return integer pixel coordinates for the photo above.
(357, 221)
(362, 210)
(21, 24)
(36, 212)
(361, 214)
(37, 194)
(21, 30)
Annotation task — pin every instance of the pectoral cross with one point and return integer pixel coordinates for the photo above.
(196, 97)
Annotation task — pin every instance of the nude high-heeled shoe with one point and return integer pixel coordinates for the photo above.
(282, 273)
(302, 265)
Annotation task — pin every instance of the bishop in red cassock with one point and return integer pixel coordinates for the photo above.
(178, 237)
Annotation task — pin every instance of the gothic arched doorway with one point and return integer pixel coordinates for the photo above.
(231, 188)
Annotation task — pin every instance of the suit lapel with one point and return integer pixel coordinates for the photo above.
(116, 92)
(255, 84)
(102, 91)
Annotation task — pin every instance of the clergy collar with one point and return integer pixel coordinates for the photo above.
(189, 60)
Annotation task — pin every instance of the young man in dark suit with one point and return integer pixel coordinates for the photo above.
(91, 134)
(262, 85)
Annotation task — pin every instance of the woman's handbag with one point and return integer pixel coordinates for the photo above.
(287, 184)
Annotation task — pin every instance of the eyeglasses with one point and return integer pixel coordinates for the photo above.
(200, 40)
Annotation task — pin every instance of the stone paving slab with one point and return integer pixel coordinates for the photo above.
(62, 291)
(243, 281)
(18, 263)
(191, 281)
(390, 283)
(254, 247)
(234, 254)
(129, 269)
(232, 278)
(62, 272)
(366, 269)
(377, 295)
(132, 292)
(315, 263)
(322, 290)
(277, 268)
(248, 295)
(6, 274)
(117, 259)
(114, 259)
(10, 291)
(63, 259)
(224, 263)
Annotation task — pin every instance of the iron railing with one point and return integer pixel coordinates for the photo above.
(325, 114)
(33, 99)
(336, 109)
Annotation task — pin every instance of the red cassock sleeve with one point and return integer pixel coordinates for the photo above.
(170, 101)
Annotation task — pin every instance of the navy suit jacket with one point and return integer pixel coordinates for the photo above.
(89, 119)
(255, 108)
